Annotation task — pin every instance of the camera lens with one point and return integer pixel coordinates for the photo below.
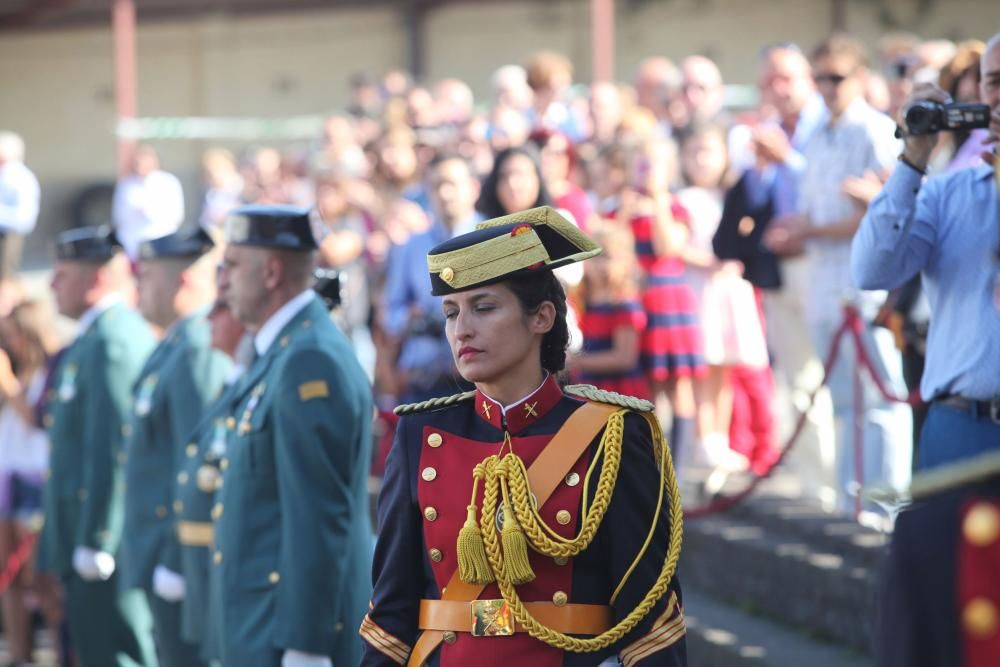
(923, 118)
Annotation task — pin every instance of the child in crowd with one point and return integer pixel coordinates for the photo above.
(732, 331)
(25, 348)
(671, 343)
(613, 320)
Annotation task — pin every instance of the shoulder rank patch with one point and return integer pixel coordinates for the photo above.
(592, 393)
(314, 389)
(433, 403)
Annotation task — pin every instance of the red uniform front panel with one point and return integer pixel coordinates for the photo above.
(444, 494)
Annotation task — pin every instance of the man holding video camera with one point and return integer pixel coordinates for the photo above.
(948, 229)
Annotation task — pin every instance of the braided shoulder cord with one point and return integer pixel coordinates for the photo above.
(512, 468)
(433, 403)
(592, 393)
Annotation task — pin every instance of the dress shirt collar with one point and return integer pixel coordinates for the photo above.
(91, 314)
(269, 330)
(855, 111)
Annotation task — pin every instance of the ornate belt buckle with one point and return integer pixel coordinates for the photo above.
(491, 618)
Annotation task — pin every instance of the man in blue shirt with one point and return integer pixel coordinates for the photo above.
(413, 317)
(948, 229)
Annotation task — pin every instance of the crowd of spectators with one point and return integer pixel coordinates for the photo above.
(727, 231)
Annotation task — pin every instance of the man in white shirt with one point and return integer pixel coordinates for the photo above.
(148, 203)
(19, 197)
(853, 140)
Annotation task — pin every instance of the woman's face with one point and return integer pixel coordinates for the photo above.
(555, 159)
(967, 89)
(517, 186)
(607, 180)
(703, 160)
(489, 333)
(398, 160)
(331, 199)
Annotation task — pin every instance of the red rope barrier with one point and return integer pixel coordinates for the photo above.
(15, 563)
(852, 325)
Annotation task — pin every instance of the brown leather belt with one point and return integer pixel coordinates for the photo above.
(572, 619)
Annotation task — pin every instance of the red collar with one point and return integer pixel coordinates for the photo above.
(523, 413)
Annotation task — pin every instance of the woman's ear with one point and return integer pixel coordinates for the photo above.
(544, 318)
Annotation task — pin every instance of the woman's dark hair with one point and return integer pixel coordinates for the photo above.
(533, 289)
(489, 204)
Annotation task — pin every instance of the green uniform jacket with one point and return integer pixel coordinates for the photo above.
(87, 417)
(196, 485)
(178, 380)
(292, 528)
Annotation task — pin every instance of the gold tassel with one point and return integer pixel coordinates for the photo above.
(517, 567)
(473, 566)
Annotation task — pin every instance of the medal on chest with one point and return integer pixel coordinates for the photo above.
(217, 448)
(255, 396)
(67, 384)
(144, 401)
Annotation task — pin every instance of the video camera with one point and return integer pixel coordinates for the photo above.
(327, 286)
(927, 117)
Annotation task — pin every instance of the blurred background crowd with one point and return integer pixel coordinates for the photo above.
(726, 227)
(739, 291)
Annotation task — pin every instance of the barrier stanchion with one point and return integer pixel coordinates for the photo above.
(858, 425)
(852, 326)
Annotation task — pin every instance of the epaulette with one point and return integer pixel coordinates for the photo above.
(592, 393)
(974, 470)
(433, 403)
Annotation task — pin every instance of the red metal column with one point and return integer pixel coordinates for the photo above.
(123, 26)
(602, 37)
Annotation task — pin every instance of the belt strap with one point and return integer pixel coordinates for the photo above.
(571, 619)
(544, 475)
(989, 409)
(194, 533)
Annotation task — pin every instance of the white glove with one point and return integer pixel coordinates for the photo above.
(93, 565)
(299, 659)
(168, 584)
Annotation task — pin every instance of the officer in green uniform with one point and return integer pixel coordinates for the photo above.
(196, 485)
(87, 417)
(292, 531)
(182, 375)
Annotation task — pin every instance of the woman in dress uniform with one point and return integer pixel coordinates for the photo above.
(523, 522)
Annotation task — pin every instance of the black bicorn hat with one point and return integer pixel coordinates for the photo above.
(95, 244)
(270, 226)
(185, 242)
(505, 247)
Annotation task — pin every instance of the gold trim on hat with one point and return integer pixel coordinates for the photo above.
(489, 250)
(507, 254)
(546, 215)
(482, 262)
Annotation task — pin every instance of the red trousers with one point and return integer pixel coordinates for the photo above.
(751, 431)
